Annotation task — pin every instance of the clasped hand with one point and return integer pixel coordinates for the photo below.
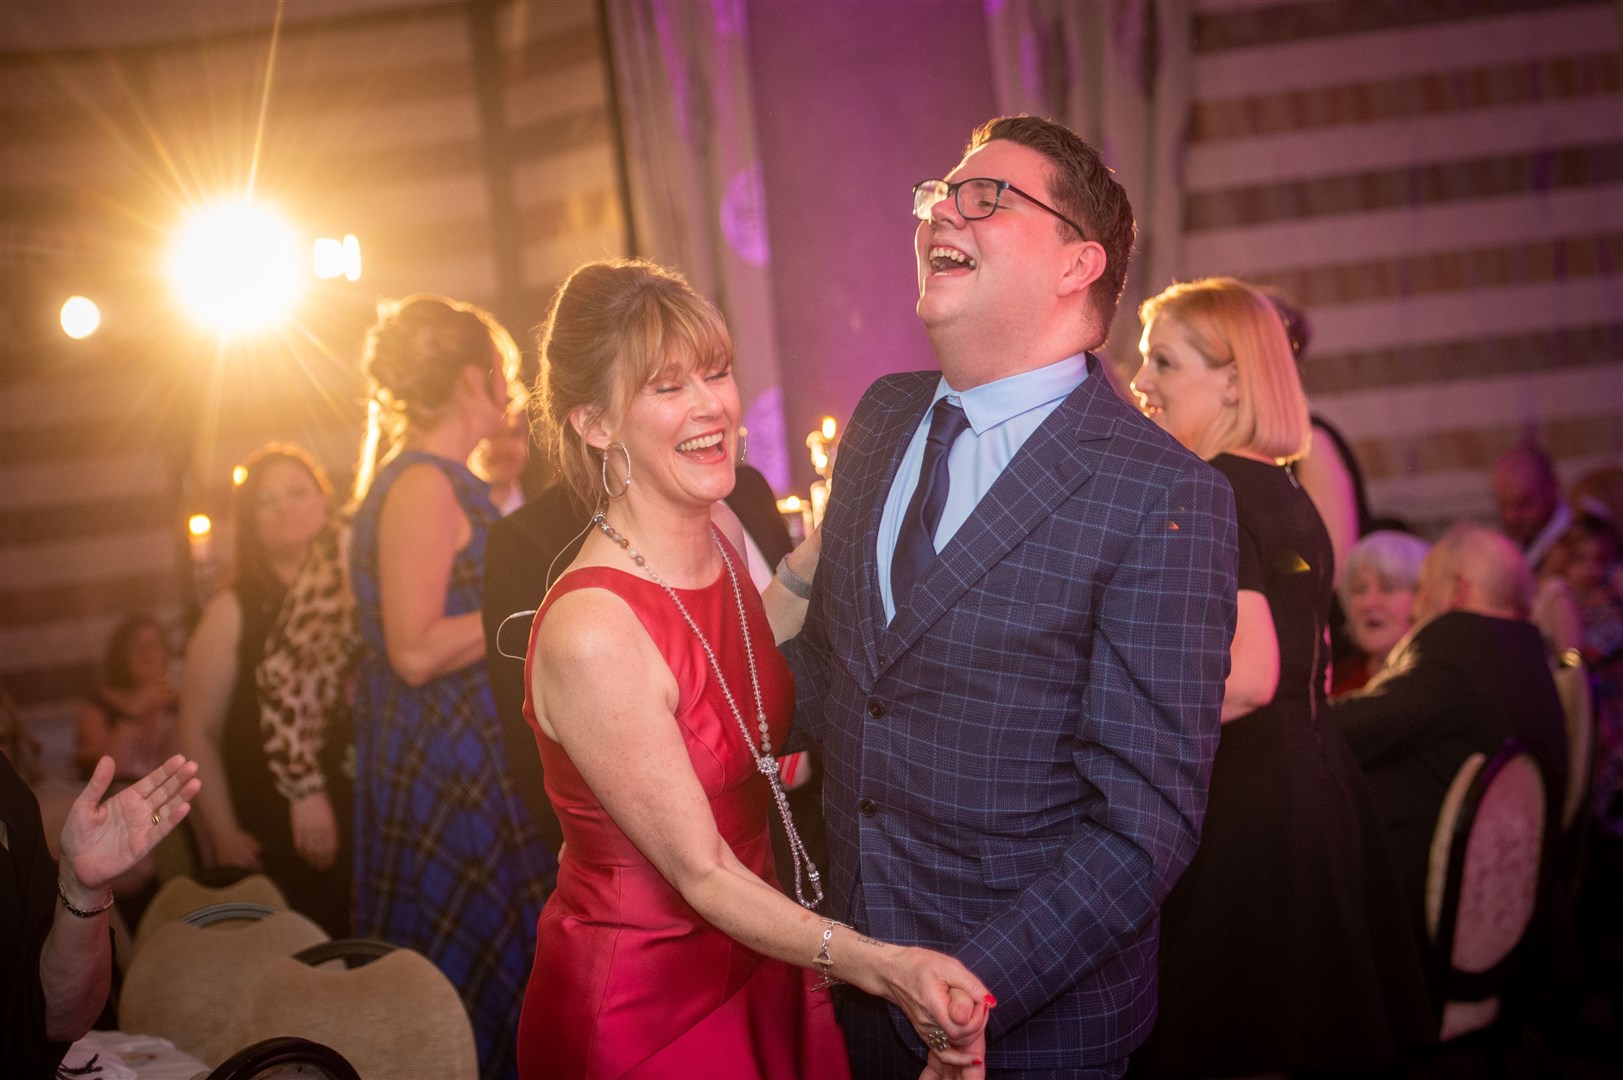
(948, 1008)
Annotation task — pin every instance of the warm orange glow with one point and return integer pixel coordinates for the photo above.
(789, 505)
(200, 525)
(238, 475)
(352, 257)
(236, 267)
(80, 317)
(829, 427)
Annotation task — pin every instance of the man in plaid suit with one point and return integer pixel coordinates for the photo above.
(1018, 634)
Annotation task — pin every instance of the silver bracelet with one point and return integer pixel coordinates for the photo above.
(797, 585)
(823, 961)
(79, 911)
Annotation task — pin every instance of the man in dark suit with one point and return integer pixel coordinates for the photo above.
(1472, 673)
(525, 553)
(1018, 633)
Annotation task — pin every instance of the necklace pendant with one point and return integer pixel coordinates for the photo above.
(768, 765)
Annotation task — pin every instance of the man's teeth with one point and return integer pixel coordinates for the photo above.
(945, 258)
(703, 442)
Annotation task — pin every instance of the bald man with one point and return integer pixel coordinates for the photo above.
(1527, 495)
(1472, 673)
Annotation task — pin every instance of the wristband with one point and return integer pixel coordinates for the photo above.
(79, 911)
(797, 585)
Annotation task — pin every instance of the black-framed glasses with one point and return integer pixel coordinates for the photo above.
(976, 197)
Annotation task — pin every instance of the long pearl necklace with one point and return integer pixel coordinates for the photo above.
(805, 869)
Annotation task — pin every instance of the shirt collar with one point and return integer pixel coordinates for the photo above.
(990, 404)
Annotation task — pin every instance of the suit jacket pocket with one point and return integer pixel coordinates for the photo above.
(1012, 863)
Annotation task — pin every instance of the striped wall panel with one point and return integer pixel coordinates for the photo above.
(1440, 184)
(372, 125)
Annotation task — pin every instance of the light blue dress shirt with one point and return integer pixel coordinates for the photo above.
(1002, 415)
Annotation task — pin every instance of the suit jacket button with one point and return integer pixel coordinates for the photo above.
(868, 808)
(876, 708)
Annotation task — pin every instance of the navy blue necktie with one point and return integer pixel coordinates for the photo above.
(915, 543)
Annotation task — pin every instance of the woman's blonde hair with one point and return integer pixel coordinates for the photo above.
(611, 327)
(414, 354)
(1230, 322)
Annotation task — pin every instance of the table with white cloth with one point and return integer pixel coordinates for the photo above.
(118, 1055)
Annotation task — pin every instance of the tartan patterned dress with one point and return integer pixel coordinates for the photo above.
(445, 860)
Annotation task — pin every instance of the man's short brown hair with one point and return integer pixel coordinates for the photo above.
(1084, 189)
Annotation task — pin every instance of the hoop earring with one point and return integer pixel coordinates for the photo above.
(611, 493)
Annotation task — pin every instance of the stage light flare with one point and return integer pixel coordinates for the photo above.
(352, 257)
(239, 475)
(80, 317)
(332, 258)
(236, 266)
(199, 525)
(829, 427)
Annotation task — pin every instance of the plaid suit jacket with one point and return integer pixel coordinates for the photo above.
(1017, 765)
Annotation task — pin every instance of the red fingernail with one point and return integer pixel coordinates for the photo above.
(977, 1061)
(990, 1001)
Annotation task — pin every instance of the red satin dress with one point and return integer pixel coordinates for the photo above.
(629, 981)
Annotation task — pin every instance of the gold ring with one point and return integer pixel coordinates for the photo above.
(154, 817)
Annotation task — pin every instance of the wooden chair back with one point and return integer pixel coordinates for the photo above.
(1488, 864)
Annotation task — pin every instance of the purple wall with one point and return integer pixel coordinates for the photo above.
(854, 104)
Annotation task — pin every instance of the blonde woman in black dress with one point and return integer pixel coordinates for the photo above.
(1285, 945)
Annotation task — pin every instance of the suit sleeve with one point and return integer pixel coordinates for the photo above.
(1148, 729)
(1405, 709)
(512, 583)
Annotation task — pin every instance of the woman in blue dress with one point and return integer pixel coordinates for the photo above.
(446, 862)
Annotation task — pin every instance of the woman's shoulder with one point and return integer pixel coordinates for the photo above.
(586, 615)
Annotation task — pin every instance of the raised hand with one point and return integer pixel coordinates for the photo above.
(101, 840)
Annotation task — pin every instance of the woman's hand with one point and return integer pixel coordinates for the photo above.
(961, 1009)
(943, 1000)
(785, 607)
(234, 847)
(315, 829)
(102, 840)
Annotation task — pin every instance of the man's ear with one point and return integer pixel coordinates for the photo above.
(1084, 265)
(590, 426)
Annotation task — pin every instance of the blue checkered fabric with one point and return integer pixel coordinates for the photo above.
(1017, 765)
(446, 862)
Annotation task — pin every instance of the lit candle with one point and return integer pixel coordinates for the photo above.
(200, 532)
(797, 515)
(823, 449)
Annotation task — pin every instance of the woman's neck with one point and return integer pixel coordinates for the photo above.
(450, 438)
(284, 566)
(1249, 455)
(675, 542)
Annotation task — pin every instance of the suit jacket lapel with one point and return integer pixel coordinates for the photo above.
(894, 431)
(1052, 464)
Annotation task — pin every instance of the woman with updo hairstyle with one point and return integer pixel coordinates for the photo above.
(278, 508)
(669, 947)
(446, 861)
(1286, 944)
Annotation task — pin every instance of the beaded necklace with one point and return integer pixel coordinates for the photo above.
(765, 763)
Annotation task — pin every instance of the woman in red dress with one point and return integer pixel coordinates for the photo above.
(659, 701)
